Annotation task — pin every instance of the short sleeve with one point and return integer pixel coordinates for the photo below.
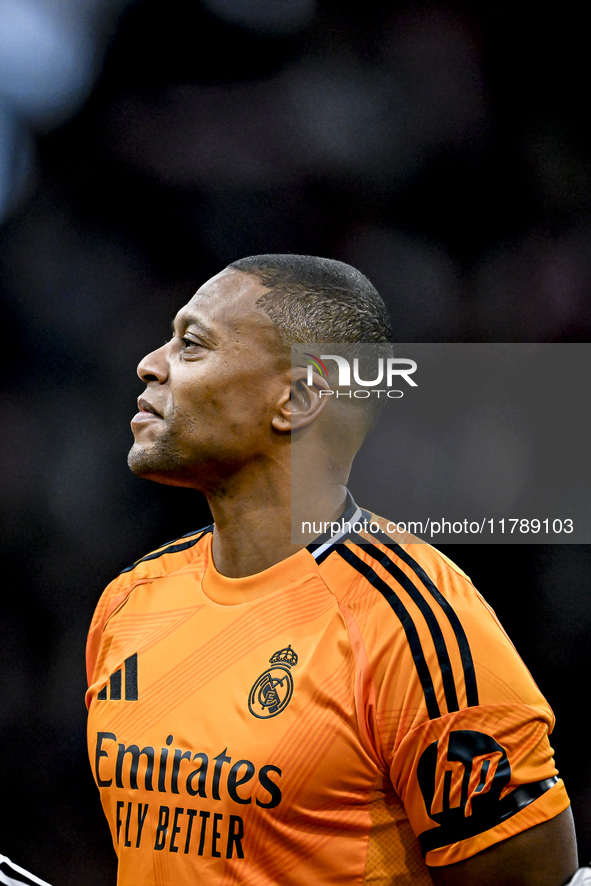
(462, 727)
(475, 777)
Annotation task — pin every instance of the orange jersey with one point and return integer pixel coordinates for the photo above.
(353, 714)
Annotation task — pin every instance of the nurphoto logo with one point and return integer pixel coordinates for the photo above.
(388, 371)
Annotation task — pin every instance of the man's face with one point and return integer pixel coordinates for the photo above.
(212, 390)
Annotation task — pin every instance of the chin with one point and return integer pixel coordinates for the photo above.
(142, 463)
(161, 467)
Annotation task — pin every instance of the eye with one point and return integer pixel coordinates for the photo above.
(189, 345)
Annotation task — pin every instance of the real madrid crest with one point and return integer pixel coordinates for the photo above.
(273, 690)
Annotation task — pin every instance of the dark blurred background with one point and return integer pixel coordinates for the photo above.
(441, 148)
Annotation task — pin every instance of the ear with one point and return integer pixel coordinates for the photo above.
(303, 402)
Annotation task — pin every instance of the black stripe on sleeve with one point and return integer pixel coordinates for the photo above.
(463, 827)
(173, 548)
(462, 640)
(406, 621)
(449, 686)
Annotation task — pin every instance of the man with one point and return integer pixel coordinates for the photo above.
(264, 712)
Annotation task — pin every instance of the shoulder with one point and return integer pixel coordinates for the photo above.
(453, 709)
(419, 614)
(167, 559)
(371, 554)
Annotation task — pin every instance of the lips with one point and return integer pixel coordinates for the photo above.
(147, 413)
(145, 407)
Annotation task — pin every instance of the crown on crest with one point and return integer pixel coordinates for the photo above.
(285, 656)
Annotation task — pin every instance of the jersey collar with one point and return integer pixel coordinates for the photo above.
(321, 547)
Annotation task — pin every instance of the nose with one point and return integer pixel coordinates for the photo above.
(154, 366)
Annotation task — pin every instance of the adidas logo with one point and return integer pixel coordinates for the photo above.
(115, 681)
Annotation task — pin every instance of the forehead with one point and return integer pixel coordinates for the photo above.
(226, 306)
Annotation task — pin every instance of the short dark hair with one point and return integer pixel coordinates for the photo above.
(313, 299)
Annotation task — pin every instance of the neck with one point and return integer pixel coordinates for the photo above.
(254, 519)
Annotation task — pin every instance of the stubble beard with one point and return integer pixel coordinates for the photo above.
(160, 461)
(167, 461)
